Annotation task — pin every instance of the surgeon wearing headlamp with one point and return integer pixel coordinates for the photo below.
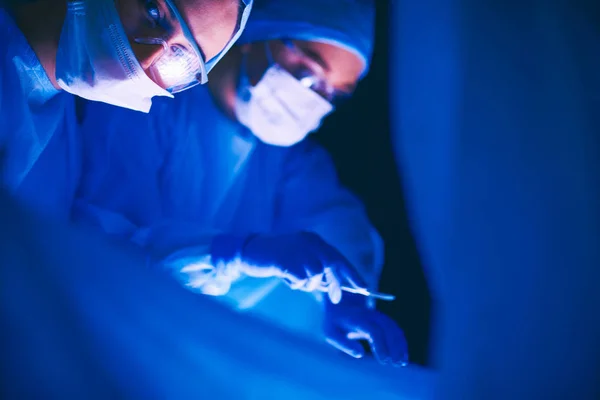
(123, 53)
(153, 53)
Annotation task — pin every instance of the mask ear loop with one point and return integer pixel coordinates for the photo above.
(269, 54)
(244, 92)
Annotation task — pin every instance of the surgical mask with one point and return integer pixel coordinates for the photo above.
(279, 110)
(96, 62)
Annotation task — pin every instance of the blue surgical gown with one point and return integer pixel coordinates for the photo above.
(186, 172)
(38, 131)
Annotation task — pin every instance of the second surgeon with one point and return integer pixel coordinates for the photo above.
(221, 186)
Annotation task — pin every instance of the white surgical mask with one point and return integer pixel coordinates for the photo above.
(279, 110)
(96, 62)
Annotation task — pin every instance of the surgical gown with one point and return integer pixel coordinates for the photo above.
(186, 172)
(38, 129)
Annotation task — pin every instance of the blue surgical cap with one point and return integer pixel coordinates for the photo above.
(345, 23)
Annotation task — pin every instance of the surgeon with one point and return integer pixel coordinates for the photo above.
(222, 187)
(122, 53)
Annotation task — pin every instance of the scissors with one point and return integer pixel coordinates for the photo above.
(365, 292)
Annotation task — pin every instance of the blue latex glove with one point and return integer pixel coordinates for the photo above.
(303, 260)
(351, 320)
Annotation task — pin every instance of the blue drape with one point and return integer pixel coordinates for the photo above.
(496, 119)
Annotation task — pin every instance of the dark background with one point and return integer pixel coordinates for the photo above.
(358, 137)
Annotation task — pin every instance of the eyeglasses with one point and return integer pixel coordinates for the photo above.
(308, 72)
(183, 65)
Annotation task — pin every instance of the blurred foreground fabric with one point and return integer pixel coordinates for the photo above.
(82, 318)
(496, 116)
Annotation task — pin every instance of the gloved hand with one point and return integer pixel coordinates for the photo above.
(351, 320)
(303, 260)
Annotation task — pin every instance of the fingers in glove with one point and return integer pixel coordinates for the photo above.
(348, 275)
(365, 327)
(314, 282)
(341, 268)
(334, 290)
(293, 282)
(339, 340)
(395, 340)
